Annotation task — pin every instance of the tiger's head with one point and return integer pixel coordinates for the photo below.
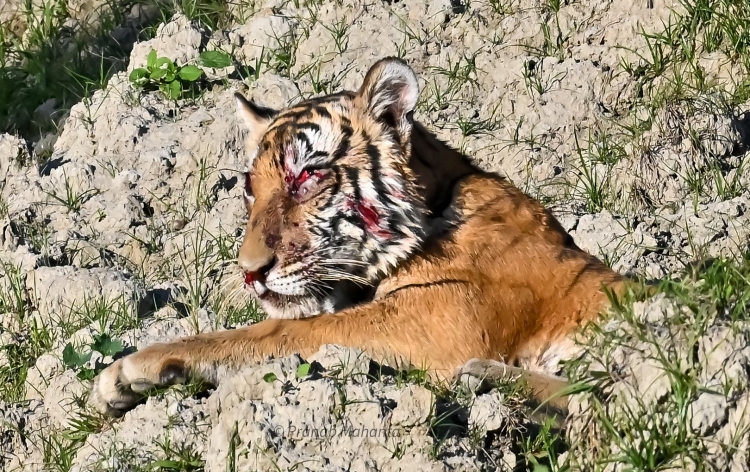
(331, 199)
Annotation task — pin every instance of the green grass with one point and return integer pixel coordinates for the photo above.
(673, 53)
(642, 433)
(30, 337)
(51, 63)
(46, 60)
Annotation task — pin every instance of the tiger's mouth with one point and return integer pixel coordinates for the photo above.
(256, 283)
(277, 304)
(325, 298)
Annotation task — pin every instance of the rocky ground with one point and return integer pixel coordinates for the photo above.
(119, 226)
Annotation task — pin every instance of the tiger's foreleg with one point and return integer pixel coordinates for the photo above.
(384, 330)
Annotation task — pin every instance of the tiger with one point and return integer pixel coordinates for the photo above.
(365, 230)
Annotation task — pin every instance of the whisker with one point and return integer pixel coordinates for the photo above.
(342, 261)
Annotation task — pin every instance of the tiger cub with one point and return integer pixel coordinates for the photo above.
(366, 231)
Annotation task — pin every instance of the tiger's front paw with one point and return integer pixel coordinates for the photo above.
(122, 385)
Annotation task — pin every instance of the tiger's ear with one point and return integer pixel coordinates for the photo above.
(390, 92)
(256, 117)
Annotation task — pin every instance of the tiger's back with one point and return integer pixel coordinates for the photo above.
(530, 285)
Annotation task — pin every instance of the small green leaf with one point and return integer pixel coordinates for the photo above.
(70, 356)
(175, 89)
(171, 90)
(190, 73)
(86, 374)
(106, 345)
(169, 76)
(139, 76)
(541, 468)
(270, 377)
(73, 359)
(303, 370)
(157, 74)
(215, 59)
(164, 63)
(151, 59)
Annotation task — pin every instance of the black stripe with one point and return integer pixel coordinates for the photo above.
(322, 111)
(295, 115)
(321, 233)
(332, 98)
(307, 126)
(328, 203)
(337, 185)
(344, 144)
(351, 173)
(335, 221)
(436, 283)
(373, 258)
(302, 137)
(374, 154)
(316, 104)
(317, 154)
(280, 159)
(577, 278)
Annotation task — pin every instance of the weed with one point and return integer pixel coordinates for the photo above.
(28, 337)
(478, 126)
(182, 458)
(537, 82)
(12, 290)
(339, 31)
(3, 207)
(642, 433)
(77, 358)
(175, 82)
(436, 97)
(45, 62)
(542, 450)
(213, 14)
(420, 35)
(57, 453)
(593, 179)
(282, 58)
(321, 84)
(728, 185)
(72, 200)
(503, 7)
(107, 315)
(201, 262)
(81, 426)
(461, 72)
(246, 314)
(606, 149)
(554, 40)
